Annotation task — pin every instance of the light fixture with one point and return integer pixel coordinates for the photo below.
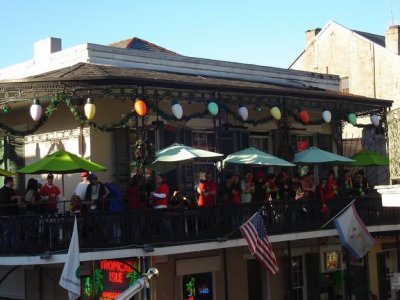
(36, 110)
(375, 119)
(243, 112)
(177, 110)
(90, 109)
(140, 107)
(326, 116)
(352, 119)
(304, 117)
(212, 108)
(276, 113)
(258, 108)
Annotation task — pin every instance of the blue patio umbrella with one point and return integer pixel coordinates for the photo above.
(253, 156)
(314, 155)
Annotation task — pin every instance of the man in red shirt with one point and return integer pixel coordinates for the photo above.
(207, 190)
(50, 193)
(161, 194)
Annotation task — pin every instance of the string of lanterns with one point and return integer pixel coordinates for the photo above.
(140, 109)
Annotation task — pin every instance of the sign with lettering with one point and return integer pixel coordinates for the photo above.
(110, 278)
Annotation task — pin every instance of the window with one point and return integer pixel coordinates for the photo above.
(203, 140)
(197, 286)
(301, 142)
(298, 279)
(259, 142)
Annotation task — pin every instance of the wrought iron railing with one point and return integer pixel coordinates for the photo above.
(36, 234)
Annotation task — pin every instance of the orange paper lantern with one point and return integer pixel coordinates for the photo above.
(303, 116)
(140, 107)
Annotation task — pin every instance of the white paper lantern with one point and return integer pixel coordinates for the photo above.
(177, 110)
(243, 113)
(36, 110)
(375, 120)
(326, 116)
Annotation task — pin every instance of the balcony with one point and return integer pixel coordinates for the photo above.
(33, 234)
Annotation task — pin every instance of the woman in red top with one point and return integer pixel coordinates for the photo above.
(133, 193)
(322, 195)
(207, 190)
(331, 186)
(161, 194)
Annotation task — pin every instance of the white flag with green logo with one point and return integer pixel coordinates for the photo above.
(70, 277)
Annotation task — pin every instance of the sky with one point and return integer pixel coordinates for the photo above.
(261, 32)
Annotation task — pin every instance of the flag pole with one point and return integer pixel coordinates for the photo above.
(139, 285)
(343, 209)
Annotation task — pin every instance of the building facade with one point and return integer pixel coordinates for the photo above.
(203, 247)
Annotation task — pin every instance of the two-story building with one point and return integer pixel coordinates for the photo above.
(205, 246)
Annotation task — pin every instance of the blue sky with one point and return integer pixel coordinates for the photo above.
(262, 32)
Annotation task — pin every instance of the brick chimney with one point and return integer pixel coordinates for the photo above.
(43, 48)
(392, 39)
(311, 34)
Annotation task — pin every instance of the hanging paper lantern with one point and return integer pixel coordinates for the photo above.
(304, 117)
(326, 116)
(90, 109)
(177, 110)
(352, 118)
(5, 108)
(276, 113)
(140, 107)
(212, 108)
(375, 120)
(36, 110)
(243, 112)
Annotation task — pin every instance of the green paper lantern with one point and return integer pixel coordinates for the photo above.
(352, 119)
(212, 108)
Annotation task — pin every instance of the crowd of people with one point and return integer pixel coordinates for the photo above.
(92, 195)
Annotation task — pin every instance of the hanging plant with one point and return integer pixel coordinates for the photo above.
(143, 152)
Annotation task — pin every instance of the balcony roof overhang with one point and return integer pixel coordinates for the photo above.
(106, 80)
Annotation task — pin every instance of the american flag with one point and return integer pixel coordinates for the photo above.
(255, 233)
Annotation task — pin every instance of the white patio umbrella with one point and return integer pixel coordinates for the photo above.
(169, 157)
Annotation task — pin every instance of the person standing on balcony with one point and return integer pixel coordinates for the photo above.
(135, 194)
(81, 187)
(49, 193)
(331, 186)
(247, 188)
(96, 194)
(259, 187)
(161, 194)
(207, 190)
(32, 196)
(308, 185)
(9, 200)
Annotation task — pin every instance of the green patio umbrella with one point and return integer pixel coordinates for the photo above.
(168, 158)
(368, 159)
(6, 173)
(61, 162)
(314, 155)
(252, 156)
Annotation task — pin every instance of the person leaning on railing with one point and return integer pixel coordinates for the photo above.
(32, 196)
(9, 200)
